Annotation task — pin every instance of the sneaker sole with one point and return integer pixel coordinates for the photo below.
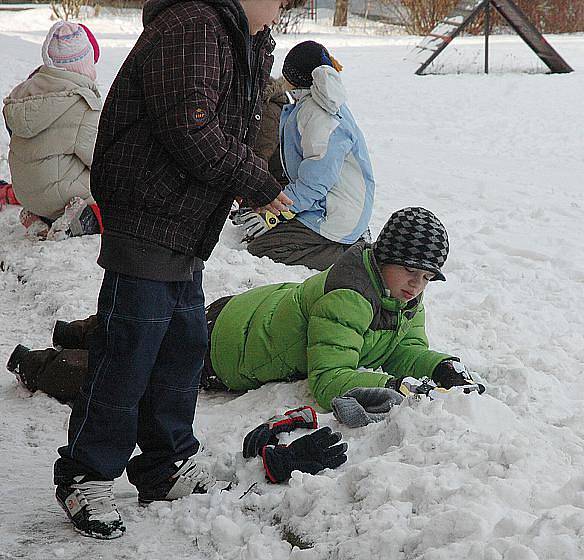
(146, 502)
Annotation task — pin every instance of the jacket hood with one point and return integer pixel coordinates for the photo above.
(38, 102)
(327, 89)
(152, 8)
(230, 12)
(276, 90)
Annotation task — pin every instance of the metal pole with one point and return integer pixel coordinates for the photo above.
(487, 31)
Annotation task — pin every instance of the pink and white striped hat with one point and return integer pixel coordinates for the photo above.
(72, 47)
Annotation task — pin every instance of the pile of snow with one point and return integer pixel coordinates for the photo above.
(492, 477)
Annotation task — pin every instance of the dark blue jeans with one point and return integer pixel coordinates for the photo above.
(145, 360)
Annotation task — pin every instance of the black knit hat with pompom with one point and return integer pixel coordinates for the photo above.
(302, 59)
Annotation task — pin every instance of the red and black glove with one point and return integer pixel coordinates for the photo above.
(266, 434)
(310, 454)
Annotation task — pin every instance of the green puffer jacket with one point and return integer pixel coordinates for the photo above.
(335, 328)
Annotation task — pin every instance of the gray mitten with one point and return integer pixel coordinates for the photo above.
(364, 405)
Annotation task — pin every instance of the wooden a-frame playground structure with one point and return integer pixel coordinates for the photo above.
(466, 12)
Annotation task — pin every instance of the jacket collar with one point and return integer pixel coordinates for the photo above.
(275, 90)
(299, 93)
(74, 77)
(153, 8)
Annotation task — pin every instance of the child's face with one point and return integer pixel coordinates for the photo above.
(405, 283)
(262, 12)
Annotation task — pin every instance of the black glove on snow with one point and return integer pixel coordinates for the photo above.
(265, 434)
(311, 454)
(450, 373)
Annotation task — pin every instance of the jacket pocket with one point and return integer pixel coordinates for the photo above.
(163, 184)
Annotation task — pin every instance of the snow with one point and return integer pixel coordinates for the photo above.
(499, 159)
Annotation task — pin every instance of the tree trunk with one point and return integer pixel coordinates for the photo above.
(341, 10)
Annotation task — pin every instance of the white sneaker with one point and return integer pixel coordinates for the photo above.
(90, 506)
(191, 477)
(78, 219)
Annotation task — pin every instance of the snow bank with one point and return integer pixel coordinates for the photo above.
(496, 477)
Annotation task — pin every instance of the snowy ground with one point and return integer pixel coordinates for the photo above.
(500, 159)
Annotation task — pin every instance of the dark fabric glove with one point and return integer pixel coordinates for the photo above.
(266, 433)
(451, 373)
(394, 383)
(311, 454)
(364, 405)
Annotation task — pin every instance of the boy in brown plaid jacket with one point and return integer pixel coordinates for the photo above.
(172, 152)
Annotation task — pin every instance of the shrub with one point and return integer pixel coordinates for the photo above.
(65, 9)
(419, 17)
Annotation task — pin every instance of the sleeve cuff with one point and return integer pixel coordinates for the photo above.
(268, 192)
(265, 451)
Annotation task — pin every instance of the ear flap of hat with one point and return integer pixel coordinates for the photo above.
(47, 60)
(93, 42)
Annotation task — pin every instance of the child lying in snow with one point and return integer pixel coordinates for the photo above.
(338, 328)
(52, 118)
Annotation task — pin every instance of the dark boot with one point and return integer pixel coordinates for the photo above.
(74, 334)
(59, 374)
(16, 357)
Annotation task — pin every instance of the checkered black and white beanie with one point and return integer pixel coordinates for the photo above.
(413, 237)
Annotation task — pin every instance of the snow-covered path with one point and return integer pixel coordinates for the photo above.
(500, 159)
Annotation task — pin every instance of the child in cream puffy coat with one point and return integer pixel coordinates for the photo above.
(52, 118)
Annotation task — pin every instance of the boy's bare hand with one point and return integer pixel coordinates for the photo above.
(279, 204)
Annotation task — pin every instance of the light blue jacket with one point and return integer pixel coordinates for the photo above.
(326, 160)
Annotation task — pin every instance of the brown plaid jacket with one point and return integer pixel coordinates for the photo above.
(173, 147)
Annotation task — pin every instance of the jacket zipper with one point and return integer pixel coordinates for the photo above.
(254, 86)
(283, 156)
